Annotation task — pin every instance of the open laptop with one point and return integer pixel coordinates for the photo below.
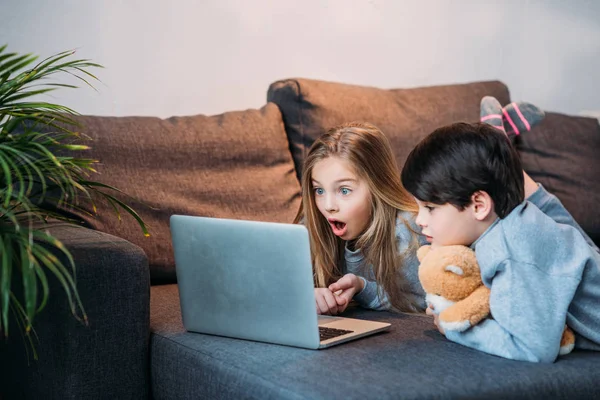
(253, 280)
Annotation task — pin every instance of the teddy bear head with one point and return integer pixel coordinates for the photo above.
(448, 274)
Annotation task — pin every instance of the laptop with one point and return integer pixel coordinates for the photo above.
(253, 280)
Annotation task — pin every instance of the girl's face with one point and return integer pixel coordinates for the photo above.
(342, 197)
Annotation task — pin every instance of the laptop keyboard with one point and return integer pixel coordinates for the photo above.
(328, 333)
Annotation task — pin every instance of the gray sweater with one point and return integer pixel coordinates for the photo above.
(543, 271)
(373, 298)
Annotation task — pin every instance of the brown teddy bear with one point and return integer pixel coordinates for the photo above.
(452, 282)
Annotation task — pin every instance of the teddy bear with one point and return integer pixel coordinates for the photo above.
(451, 279)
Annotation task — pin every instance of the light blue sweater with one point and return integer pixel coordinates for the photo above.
(543, 271)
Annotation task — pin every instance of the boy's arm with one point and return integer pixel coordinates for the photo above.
(550, 205)
(529, 308)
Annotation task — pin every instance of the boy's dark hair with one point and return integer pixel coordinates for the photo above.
(457, 160)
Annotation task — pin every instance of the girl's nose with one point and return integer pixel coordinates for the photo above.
(331, 204)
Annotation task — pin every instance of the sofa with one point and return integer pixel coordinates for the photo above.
(246, 165)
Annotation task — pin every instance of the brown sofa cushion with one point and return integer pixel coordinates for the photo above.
(234, 165)
(310, 107)
(562, 154)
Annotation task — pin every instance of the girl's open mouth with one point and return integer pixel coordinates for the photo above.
(339, 228)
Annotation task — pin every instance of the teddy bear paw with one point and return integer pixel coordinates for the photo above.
(566, 349)
(458, 326)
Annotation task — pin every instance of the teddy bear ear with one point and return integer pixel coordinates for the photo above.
(422, 252)
(455, 269)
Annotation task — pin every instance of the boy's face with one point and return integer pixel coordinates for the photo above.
(342, 197)
(445, 224)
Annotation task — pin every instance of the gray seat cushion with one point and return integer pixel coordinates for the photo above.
(412, 361)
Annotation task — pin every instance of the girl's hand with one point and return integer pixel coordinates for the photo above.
(346, 287)
(329, 303)
(436, 319)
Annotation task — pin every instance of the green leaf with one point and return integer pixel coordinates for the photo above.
(16, 63)
(26, 94)
(130, 211)
(5, 283)
(29, 282)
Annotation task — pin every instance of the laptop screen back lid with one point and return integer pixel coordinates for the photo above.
(245, 279)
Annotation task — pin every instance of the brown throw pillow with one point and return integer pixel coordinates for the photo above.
(562, 154)
(234, 165)
(310, 107)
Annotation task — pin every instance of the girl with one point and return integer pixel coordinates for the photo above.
(360, 221)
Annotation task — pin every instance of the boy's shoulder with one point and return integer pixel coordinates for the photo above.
(528, 235)
(525, 225)
(528, 219)
(521, 217)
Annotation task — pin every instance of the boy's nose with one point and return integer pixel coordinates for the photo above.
(419, 220)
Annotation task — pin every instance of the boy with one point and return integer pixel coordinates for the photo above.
(542, 269)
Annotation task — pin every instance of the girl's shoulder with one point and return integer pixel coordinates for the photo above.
(406, 225)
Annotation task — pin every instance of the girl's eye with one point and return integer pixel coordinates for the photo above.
(319, 191)
(429, 208)
(345, 191)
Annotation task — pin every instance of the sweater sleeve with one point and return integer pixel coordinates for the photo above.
(372, 296)
(529, 308)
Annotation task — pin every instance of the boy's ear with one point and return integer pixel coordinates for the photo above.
(482, 205)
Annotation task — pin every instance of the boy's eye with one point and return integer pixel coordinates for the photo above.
(319, 191)
(345, 191)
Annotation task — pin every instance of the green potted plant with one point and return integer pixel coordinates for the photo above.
(37, 143)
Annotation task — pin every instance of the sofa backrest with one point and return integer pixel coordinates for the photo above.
(233, 165)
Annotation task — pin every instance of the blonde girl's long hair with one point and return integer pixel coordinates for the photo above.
(369, 152)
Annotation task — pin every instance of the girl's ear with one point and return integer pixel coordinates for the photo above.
(482, 205)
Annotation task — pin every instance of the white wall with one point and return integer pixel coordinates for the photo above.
(179, 57)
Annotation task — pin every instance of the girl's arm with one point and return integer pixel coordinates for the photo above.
(363, 291)
(372, 296)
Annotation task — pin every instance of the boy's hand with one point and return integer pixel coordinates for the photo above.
(346, 287)
(436, 319)
(329, 303)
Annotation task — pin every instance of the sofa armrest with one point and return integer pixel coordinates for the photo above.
(106, 359)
